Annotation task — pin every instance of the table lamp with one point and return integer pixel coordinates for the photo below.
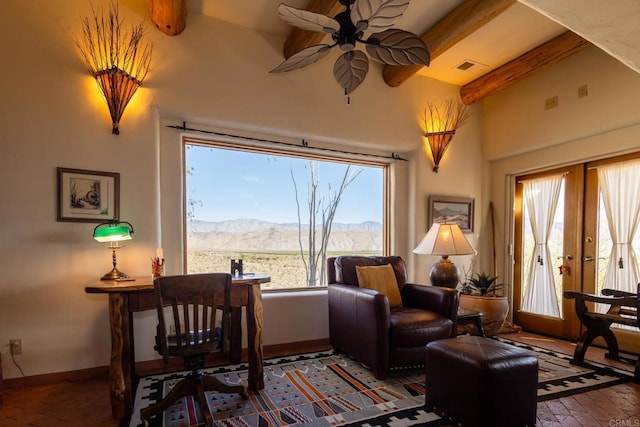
(113, 232)
(444, 239)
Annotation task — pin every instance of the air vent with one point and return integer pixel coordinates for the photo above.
(465, 65)
(468, 64)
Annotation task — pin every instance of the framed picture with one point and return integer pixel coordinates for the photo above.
(88, 196)
(451, 209)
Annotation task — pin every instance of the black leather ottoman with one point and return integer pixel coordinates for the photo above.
(477, 381)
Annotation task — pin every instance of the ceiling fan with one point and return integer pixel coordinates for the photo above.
(375, 17)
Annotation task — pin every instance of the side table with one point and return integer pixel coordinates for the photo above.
(470, 317)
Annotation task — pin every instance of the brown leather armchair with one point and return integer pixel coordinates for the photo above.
(362, 324)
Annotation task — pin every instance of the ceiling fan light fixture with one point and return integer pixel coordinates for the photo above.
(385, 45)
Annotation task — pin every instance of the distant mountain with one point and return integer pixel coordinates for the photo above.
(446, 212)
(244, 225)
(256, 235)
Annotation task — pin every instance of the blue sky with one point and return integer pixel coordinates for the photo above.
(234, 184)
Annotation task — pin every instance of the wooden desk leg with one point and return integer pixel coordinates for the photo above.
(235, 352)
(254, 338)
(120, 366)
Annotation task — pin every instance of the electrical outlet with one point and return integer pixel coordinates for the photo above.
(15, 346)
(583, 91)
(551, 103)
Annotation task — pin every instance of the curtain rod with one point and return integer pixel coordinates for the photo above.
(303, 143)
(553, 174)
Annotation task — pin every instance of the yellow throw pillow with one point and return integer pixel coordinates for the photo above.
(380, 278)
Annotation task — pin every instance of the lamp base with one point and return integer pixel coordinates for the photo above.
(444, 273)
(115, 274)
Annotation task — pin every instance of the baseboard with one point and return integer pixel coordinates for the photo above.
(156, 366)
(57, 377)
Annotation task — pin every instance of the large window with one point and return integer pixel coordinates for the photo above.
(282, 213)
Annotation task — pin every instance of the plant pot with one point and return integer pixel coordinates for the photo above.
(494, 311)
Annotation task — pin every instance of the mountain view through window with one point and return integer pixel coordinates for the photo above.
(260, 205)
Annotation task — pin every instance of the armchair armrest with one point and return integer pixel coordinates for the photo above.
(366, 306)
(359, 322)
(443, 301)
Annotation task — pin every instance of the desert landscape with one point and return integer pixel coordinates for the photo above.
(270, 248)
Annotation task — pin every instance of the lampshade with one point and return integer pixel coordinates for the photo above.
(444, 239)
(113, 231)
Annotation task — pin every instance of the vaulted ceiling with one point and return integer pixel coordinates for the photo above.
(480, 45)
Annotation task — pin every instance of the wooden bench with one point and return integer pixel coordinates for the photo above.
(623, 310)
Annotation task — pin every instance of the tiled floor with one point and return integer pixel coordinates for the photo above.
(86, 403)
(617, 406)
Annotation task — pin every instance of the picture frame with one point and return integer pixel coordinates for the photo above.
(451, 209)
(87, 196)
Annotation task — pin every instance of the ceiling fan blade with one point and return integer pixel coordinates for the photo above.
(398, 47)
(308, 20)
(377, 15)
(350, 70)
(303, 58)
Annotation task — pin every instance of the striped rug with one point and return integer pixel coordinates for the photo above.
(326, 389)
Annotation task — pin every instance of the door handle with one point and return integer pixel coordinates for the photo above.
(587, 259)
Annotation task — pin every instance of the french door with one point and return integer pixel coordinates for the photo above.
(547, 249)
(585, 242)
(612, 234)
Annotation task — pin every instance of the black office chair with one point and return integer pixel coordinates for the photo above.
(195, 302)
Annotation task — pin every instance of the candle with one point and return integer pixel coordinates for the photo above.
(159, 253)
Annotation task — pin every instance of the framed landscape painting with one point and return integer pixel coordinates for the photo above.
(443, 209)
(88, 196)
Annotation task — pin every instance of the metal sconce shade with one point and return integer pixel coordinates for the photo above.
(113, 233)
(118, 61)
(440, 125)
(444, 239)
(438, 143)
(118, 88)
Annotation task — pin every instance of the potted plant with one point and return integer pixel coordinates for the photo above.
(482, 284)
(479, 293)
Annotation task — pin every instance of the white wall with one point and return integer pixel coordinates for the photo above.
(521, 136)
(213, 74)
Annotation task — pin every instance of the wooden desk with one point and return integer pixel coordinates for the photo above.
(125, 298)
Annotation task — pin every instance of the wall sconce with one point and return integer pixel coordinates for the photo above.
(113, 233)
(441, 124)
(117, 60)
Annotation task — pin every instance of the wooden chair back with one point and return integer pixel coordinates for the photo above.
(200, 307)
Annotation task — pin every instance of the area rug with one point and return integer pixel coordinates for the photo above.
(326, 389)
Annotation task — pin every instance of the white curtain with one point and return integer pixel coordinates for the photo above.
(620, 187)
(541, 196)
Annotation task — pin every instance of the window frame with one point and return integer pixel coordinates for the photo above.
(301, 152)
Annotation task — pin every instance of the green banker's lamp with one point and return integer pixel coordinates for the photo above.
(113, 232)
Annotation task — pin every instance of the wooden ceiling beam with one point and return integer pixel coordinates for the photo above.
(458, 24)
(169, 16)
(541, 57)
(300, 39)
